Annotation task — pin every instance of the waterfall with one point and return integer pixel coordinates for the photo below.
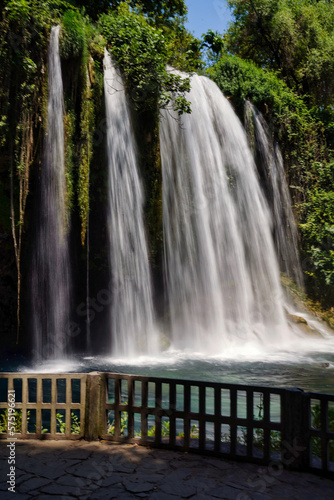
(272, 173)
(222, 273)
(51, 266)
(132, 317)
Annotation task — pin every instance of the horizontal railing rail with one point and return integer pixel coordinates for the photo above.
(259, 424)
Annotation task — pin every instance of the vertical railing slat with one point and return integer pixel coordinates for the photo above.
(266, 421)
(158, 396)
(172, 408)
(217, 424)
(83, 404)
(202, 419)
(117, 410)
(233, 429)
(323, 432)
(250, 416)
(24, 429)
(39, 400)
(68, 399)
(144, 403)
(53, 406)
(130, 407)
(186, 408)
(10, 383)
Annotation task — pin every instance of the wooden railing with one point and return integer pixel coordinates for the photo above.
(264, 425)
(45, 406)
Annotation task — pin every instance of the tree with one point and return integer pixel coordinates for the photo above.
(295, 38)
(160, 11)
(141, 53)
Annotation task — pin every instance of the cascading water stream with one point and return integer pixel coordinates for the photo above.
(273, 177)
(222, 273)
(51, 265)
(132, 316)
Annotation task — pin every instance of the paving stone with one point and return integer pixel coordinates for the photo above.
(106, 494)
(9, 495)
(218, 464)
(257, 496)
(70, 480)
(19, 473)
(89, 471)
(125, 468)
(111, 480)
(178, 475)
(157, 466)
(102, 464)
(80, 454)
(235, 482)
(158, 495)
(313, 495)
(126, 495)
(62, 489)
(201, 483)
(205, 496)
(23, 477)
(3, 486)
(32, 484)
(145, 478)
(85, 470)
(42, 471)
(182, 489)
(137, 487)
(165, 454)
(226, 492)
(52, 497)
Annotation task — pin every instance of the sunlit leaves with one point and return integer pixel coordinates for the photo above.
(140, 50)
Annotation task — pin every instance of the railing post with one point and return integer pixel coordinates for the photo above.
(295, 430)
(95, 399)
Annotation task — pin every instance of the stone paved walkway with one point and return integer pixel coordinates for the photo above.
(101, 470)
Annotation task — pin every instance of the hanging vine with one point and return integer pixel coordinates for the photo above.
(86, 150)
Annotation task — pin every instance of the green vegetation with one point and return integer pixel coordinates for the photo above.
(123, 425)
(278, 55)
(140, 50)
(258, 437)
(294, 38)
(75, 424)
(17, 420)
(316, 424)
(317, 231)
(143, 38)
(165, 428)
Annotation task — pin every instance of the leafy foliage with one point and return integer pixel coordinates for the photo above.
(159, 11)
(318, 231)
(316, 424)
(140, 50)
(301, 136)
(183, 49)
(17, 420)
(298, 131)
(295, 38)
(73, 40)
(123, 425)
(61, 425)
